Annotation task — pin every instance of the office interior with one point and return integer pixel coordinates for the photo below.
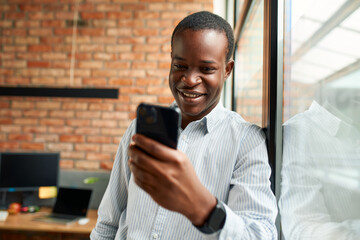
(74, 71)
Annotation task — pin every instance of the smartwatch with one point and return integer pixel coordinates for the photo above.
(215, 221)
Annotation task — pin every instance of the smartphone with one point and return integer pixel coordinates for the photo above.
(158, 123)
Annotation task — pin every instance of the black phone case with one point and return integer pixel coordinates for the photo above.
(158, 123)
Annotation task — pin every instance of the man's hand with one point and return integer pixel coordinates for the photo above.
(170, 179)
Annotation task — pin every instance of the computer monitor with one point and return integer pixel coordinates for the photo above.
(28, 171)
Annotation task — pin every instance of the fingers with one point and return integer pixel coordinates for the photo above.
(156, 149)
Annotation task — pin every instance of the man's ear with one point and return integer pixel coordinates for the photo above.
(228, 68)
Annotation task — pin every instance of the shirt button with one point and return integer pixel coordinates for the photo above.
(155, 236)
(184, 137)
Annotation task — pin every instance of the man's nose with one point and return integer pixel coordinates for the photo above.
(191, 78)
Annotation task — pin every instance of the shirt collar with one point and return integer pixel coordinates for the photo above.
(211, 119)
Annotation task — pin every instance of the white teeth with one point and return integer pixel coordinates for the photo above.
(190, 95)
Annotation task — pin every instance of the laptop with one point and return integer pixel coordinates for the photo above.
(71, 204)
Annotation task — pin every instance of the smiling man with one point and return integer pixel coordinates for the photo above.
(216, 184)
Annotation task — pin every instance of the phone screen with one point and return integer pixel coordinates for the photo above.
(159, 123)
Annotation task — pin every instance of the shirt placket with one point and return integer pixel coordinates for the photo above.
(158, 228)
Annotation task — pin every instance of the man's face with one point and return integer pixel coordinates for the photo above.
(198, 71)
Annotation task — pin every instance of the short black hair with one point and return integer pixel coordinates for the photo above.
(207, 20)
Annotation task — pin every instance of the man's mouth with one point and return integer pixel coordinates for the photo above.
(191, 95)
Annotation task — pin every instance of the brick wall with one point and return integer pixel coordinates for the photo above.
(123, 44)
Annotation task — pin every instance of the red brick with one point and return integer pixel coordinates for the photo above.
(39, 48)
(7, 56)
(28, 72)
(30, 7)
(119, 32)
(98, 139)
(187, 6)
(158, 57)
(146, 15)
(74, 106)
(5, 121)
(61, 64)
(59, 147)
(145, 32)
(66, 164)
(104, 56)
(104, 123)
(73, 155)
(35, 113)
(115, 115)
(158, 91)
(72, 138)
(165, 99)
(17, 80)
(54, 56)
(158, 24)
(52, 122)
(63, 31)
(8, 48)
(87, 131)
(88, 114)
(90, 64)
(130, 23)
(43, 80)
(148, 81)
(26, 121)
(46, 138)
(51, 40)
(10, 113)
(107, 165)
(6, 72)
(20, 137)
(106, 7)
(83, 7)
(9, 145)
(132, 90)
(87, 147)
(83, 56)
(136, 99)
(121, 81)
(98, 156)
(164, 65)
(118, 48)
(104, 40)
(166, 48)
(28, 56)
(33, 146)
(48, 105)
(146, 48)
(132, 73)
(53, 23)
(14, 64)
(92, 15)
(41, 16)
(144, 65)
(134, 7)
(65, 15)
(132, 40)
(107, 23)
(104, 73)
(61, 130)
(87, 165)
(6, 24)
(101, 106)
(112, 148)
(62, 114)
(161, 6)
(81, 73)
(119, 15)
(78, 122)
(14, 15)
(91, 48)
(92, 32)
(14, 32)
(117, 65)
(27, 24)
(38, 64)
(34, 129)
(94, 81)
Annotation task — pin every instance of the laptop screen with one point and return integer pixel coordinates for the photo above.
(72, 201)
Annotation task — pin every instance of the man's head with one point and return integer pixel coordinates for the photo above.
(200, 64)
(207, 20)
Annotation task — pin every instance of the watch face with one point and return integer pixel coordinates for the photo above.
(217, 218)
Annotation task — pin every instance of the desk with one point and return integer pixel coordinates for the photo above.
(23, 222)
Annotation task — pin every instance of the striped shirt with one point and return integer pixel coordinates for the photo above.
(320, 189)
(230, 158)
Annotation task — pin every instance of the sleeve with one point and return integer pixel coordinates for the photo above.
(251, 207)
(304, 214)
(114, 202)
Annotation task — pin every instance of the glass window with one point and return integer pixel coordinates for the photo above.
(248, 70)
(320, 189)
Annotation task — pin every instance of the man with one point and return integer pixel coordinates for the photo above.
(216, 184)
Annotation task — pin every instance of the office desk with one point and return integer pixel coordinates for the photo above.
(22, 222)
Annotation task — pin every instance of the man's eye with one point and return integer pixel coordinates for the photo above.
(208, 69)
(178, 66)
